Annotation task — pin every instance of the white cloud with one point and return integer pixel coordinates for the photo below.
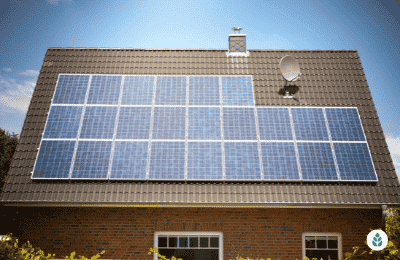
(33, 73)
(15, 95)
(7, 69)
(394, 148)
(55, 2)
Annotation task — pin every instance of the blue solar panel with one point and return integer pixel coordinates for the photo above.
(99, 122)
(239, 124)
(54, 159)
(203, 91)
(92, 159)
(274, 124)
(171, 90)
(242, 161)
(204, 161)
(344, 124)
(167, 160)
(309, 124)
(71, 89)
(129, 160)
(279, 161)
(134, 123)
(316, 161)
(63, 122)
(104, 90)
(237, 91)
(169, 123)
(138, 90)
(204, 123)
(354, 161)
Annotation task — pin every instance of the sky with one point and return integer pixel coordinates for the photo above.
(28, 28)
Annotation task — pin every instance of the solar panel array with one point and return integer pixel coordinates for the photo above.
(194, 128)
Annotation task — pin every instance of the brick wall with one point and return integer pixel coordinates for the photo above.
(128, 233)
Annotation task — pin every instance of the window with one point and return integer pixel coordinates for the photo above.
(327, 246)
(189, 245)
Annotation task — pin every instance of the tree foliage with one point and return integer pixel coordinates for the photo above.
(8, 145)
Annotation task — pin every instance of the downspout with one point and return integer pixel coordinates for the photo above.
(384, 213)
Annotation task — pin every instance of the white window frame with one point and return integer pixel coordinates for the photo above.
(206, 234)
(338, 235)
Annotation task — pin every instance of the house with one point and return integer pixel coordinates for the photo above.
(203, 154)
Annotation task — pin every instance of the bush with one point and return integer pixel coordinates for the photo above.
(9, 250)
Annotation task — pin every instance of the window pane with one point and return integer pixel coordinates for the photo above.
(162, 242)
(173, 242)
(324, 254)
(332, 243)
(204, 242)
(310, 242)
(321, 242)
(214, 242)
(190, 254)
(183, 242)
(194, 242)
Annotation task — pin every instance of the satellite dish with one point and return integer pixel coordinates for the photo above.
(290, 68)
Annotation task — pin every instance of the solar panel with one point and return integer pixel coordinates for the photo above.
(54, 159)
(344, 124)
(167, 160)
(274, 123)
(137, 90)
(237, 91)
(279, 161)
(134, 123)
(98, 122)
(171, 90)
(129, 160)
(204, 161)
(92, 160)
(239, 124)
(354, 161)
(161, 131)
(169, 123)
(242, 161)
(204, 123)
(309, 124)
(104, 90)
(203, 91)
(63, 122)
(316, 161)
(71, 89)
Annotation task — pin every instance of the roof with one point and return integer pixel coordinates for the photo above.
(329, 79)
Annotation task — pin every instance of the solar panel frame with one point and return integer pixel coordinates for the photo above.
(60, 155)
(55, 125)
(187, 106)
(81, 78)
(105, 90)
(345, 157)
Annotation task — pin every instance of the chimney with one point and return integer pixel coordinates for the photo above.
(237, 43)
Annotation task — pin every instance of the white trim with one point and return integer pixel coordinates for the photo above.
(295, 143)
(238, 54)
(189, 233)
(121, 89)
(338, 235)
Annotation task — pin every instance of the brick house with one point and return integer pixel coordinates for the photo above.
(247, 190)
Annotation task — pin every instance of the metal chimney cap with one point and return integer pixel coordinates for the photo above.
(235, 29)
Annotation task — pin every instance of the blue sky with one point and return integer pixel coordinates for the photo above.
(28, 28)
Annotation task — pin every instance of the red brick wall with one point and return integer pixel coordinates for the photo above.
(128, 233)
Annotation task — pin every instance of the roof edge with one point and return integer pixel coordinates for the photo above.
(186, 49)
(208, 205)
